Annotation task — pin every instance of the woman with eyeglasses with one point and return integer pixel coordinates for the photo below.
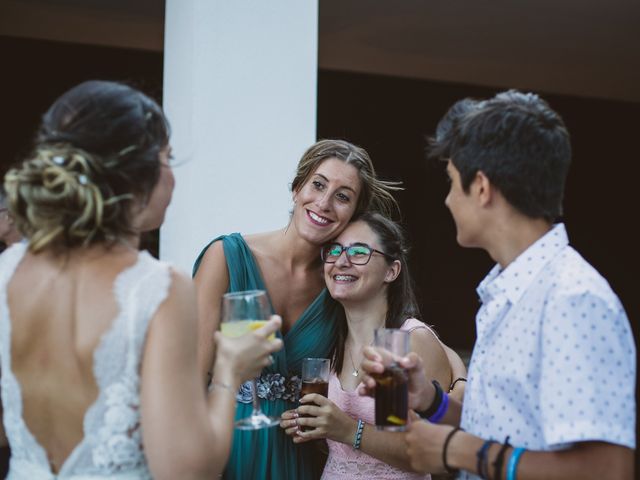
(365, 269)
(335, 180)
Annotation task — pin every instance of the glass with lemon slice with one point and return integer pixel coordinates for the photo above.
(391, 395)
(242, 313)
(242, 327)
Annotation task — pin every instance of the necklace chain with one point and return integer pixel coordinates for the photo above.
(355, 371)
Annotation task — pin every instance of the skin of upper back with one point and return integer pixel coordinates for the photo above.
(59, 310)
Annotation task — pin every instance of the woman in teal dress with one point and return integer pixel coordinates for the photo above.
(334, 181)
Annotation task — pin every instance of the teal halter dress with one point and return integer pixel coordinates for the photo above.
(269, 454)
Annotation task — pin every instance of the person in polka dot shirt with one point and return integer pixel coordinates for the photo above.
(552, 375)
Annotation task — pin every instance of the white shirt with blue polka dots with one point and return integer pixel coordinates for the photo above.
(554, 359)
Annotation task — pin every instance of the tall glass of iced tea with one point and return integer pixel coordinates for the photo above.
(392, 385)
(315, 378)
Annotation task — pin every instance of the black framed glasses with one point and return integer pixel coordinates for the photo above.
(357, 253)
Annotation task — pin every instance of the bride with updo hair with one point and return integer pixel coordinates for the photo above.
(98, 340)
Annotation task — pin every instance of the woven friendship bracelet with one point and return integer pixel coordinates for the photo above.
(358, 436)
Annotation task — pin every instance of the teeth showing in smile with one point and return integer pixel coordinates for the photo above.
(345, 278)
(318, 218)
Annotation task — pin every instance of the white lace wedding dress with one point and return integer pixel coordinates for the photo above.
(112, 443)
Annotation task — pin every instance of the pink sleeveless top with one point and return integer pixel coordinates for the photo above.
(345, 463)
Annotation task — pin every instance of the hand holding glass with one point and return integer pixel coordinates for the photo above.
(242, 313)
(391, 392)
(315, 378)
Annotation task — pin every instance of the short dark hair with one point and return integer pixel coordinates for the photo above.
(517, 141)
(401, 298)
(96, 152)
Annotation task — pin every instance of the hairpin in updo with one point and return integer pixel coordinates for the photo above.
(127, 150)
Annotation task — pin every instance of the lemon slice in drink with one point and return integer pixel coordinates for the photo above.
(256, 324)
(242, 327)
(395, 420)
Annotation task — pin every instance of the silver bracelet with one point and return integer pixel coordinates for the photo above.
(225, 386)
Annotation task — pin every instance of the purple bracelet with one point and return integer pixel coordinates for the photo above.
(442, 409)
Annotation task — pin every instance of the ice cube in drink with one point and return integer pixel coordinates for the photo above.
(392, 399)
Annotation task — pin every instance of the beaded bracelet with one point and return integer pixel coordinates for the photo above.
(513, 463)
(358, 436)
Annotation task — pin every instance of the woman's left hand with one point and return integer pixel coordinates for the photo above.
(326, 420)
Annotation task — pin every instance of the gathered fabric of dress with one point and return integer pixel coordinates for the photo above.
(112, 443)
(346, 463)
(269, 453)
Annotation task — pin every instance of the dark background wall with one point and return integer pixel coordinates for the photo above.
(390, 118)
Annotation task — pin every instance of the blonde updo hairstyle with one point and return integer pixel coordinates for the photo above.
(375, 194)
(96, 155)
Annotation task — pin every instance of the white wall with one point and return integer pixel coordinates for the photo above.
(240, 92)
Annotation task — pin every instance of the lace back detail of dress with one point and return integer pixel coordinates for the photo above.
(112, 443)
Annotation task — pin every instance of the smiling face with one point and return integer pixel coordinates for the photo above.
(326, 202)
(348, 283)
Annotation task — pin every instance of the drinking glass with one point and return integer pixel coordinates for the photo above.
(392, 394)
(243, 312)
(315, 378)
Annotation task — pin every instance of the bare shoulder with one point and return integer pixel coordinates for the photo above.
(213, 266)
(425, 336)
(181, 283)
(427, 345)
(180, 301)
(213, 254)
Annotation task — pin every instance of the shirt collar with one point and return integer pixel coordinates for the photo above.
(514, 280)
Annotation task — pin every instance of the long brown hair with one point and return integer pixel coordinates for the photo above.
(401, 299)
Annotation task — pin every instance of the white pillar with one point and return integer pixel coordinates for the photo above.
(240, 92)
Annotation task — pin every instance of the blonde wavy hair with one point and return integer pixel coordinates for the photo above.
(54, 199)
(96, 153)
